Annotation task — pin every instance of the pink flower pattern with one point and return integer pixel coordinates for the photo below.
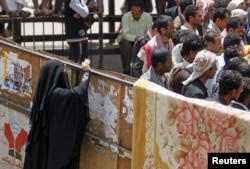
(187, 117)
(217, 120)
(197, 155)
(228, 141)
(185, 164)
(193, 128)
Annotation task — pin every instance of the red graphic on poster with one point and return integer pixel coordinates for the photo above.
(15, 144)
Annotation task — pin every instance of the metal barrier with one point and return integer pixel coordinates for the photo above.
(47, 33)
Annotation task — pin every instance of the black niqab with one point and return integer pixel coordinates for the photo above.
(58, 119)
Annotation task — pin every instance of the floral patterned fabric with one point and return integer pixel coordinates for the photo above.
(175, 132)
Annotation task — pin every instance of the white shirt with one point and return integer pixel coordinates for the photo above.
(79, 8)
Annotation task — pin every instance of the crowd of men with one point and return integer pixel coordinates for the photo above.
(196, 48)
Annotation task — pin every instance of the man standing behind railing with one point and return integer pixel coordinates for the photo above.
(76, 34)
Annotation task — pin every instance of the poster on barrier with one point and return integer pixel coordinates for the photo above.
(14, 130)
(16, 73)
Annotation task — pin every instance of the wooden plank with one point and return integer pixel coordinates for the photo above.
(96, 156)
(123, 163)
(110, 99)
(126, 118)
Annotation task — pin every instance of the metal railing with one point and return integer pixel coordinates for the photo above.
(47, 33)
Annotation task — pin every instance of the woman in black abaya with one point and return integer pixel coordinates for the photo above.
(58, 119)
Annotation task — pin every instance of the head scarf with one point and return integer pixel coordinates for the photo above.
(234, 4)
(203, 61)
(204, 5)
(239, 13)
(176, 53)
(51, 76)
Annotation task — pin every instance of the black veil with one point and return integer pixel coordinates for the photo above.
(58, 119)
